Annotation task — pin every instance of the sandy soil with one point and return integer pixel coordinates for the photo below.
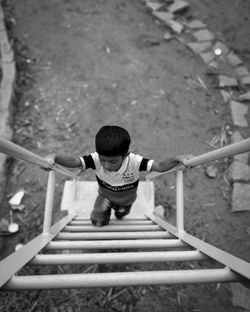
(83, 64)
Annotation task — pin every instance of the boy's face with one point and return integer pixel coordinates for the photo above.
(111, 163)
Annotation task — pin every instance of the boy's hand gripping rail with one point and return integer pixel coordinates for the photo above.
(223, 152)
(16, 151)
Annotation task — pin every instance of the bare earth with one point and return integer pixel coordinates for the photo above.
(83, 64)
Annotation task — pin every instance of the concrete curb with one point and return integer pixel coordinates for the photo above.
(6, 93)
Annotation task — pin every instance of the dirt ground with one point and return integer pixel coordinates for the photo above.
(83, 64)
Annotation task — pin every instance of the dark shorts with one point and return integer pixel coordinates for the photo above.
(100, 215)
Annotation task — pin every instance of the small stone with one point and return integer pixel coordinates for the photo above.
(196, 24)
(212, 171)
(239, 171)
(226, 81)
(198, 47)
(203, 35)
(246, 80)
(207, 57)
(175, 26)
(241, 197)
(163, 16)
(242, 71)
(233, 59)
(153, 5)
(238, 114)
(220, 45)
(178, 6)
(226, 95)
(243, 158)
(244, 97)
(213, 65)
(167, 36)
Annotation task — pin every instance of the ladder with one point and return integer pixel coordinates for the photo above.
(143, 237)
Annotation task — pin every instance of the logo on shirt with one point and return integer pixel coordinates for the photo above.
(128, 177)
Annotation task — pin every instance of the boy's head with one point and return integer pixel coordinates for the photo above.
(112, 141)
(112, 144)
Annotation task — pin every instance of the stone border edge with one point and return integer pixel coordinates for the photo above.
(6, 94)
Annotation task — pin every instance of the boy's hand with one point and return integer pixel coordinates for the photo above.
(51, 162)
(184, 158)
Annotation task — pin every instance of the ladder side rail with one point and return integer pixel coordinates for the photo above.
(14, 262)
(234, 263)
(179, 201)
(49, 202)
(14, 150)
(222, 152)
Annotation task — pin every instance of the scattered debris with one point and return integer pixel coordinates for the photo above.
(241, 296)
(153, 5)
(212, 171)
(242, 71)
(18, 246)
(207, 57)
(220, 48)
(221, 139)
(108, 51)
(167, 36)
(198, 47)
(179, 6)
(151, 42)
(226, 95)
(12, 227)
(233, 59)
(217, 51)
(239, 171)
(244, 97)
(164, 16)
(16, 200)
(177, 27)
(4, 223)
(202, 83)
(203, 35)
(226, 81)
(246, 80)
(228, 128)
(241, 197)
(196, 24)
(238, 114)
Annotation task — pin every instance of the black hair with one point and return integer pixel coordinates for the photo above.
(112, 141)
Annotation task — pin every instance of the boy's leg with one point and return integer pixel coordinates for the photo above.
(122, 211)
(100, 215)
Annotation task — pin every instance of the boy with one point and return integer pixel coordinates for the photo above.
(117, 172)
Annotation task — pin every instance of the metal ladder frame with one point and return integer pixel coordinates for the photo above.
(235, 269)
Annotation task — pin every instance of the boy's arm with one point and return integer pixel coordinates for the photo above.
(64, 160)
(170, 163)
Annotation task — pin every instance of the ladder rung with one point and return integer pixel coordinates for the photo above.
(113, 244)
(119, 257)
(61, 281)
(111, 228)
(128, 219)
(113, 235)
(116, 222)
